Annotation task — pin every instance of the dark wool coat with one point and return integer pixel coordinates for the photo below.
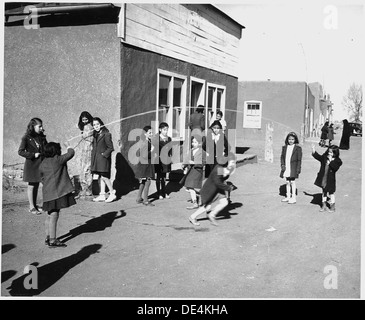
(345, 138)
(295, 161)
(145, 167)
(27, 149)
(102, 150)
(324, 134)
(330, 133)
(194, 176)
(55, 178)
(164, 164)
(334, 165)
(213, 185)
(197, 120)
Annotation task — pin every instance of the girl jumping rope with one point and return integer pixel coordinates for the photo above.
(291, 164)
(31, 148)
(326, 177)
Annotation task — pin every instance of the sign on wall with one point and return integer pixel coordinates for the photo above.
(252, 112)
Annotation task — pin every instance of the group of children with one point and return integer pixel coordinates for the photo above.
(45, 163)
(291, 163)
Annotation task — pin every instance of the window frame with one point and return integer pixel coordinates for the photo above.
(170, 99)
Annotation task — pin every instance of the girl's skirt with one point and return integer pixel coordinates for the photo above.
(66, 201)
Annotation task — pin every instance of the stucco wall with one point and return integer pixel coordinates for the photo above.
(55, 73)
(139, 87)
(283, 106)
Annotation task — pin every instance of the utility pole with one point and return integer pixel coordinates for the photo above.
(306, 126)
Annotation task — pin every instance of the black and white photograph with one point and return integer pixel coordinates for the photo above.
(182, 151)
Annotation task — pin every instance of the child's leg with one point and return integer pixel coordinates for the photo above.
(46, 224)
(140, 190)
(324, 201)
(32, 194)
(52, 226)
(163, 184)
(158, 184)
(332, 202)
(198, 212)
(286, 199)
(112, 195)
(293, 198)
(146, 190)
(109, 184)
(219, 207)
(102, 186)
(193, 199)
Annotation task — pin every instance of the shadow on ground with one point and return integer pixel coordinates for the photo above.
(44, 277)
(93, 225)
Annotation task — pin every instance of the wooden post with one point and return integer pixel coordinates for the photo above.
(269, 153)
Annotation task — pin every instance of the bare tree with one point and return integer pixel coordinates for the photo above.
(352, 102)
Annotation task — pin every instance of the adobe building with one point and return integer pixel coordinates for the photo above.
(130, 64)
(271, 109)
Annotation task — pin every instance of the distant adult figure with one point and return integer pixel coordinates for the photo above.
(330, 134)
(197, 121)
(346, 133)
(324, 134)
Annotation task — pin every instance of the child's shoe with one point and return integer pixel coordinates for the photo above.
(292, 200)
(112, 196)
(34, 211)
(160, 197)
(54, 243)
(167, 196)
(212, 219)
(332, 208)
(99, 198)
(194, 221)
(323, 207)
(194, 206)
(285, 199)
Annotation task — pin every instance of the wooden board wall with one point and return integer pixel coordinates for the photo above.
(194, 33)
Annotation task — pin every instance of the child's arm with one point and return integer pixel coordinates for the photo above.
(282, 159)
(315, 153)
(299, 162)
(67, 156)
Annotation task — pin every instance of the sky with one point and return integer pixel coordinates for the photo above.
(312, 41)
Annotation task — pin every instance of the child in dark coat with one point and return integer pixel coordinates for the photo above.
(162, 144)
(31, 148)
(57, 188)
(326, 177)
(145, 170)
(215, 189)
(101, 159)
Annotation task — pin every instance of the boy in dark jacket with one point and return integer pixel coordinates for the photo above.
(215, 189)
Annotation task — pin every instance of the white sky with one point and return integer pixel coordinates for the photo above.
(291, 41)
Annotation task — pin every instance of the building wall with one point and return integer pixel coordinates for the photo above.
(195, 33)
(55, 72)
(283, 108)
(139, 88)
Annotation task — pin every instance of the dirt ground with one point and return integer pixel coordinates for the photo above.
(262, 248)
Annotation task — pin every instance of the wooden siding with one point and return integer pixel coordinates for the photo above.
(193, 33)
